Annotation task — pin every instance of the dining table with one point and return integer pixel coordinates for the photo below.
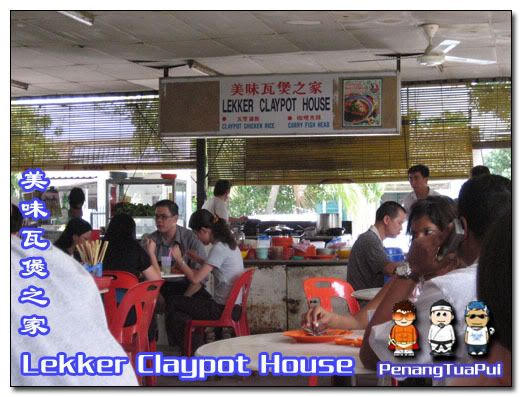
(366, 294)
(252, 345)
(172, 276)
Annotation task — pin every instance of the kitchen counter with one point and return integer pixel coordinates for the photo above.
(277, 300)
(291, 262)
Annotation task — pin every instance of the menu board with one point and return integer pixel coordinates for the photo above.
(281, 105)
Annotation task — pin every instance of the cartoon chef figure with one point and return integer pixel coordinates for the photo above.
(403, 335)
(441, 335)
(477, 334)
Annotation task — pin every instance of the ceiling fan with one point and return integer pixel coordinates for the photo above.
(436, 56)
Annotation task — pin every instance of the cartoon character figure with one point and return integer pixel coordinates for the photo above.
(403, 335)
(477, 334)
(441, 335)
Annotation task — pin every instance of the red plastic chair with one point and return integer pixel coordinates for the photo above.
(240, 327)
(120, 280)
(134, 338)
(335, 288)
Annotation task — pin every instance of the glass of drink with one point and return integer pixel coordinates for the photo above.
(166, 264)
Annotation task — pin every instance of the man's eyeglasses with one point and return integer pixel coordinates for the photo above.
(163, 217)
(472, 316)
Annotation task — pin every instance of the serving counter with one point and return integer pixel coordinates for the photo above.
(277, 299)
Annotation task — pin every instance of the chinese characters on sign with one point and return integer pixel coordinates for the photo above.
(277, 103)
(33, 266)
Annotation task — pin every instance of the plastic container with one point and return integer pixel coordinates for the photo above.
(276, 253)
(395, 254)
(263, 241)
(244, 253)
(282, 241)
(318, 244)
(262, 253)
(344, 253)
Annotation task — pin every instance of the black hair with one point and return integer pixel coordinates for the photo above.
(171, 205)
(425, 171)
(494, 277)
(479, 170)
(440, 209)
(221, 187)
(121, 228)
(390, 208)
(76, 226)
(76, 198)
(483, 200)
(219, 227)
(17, 219)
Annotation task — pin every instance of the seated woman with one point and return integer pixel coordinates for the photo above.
(124, 252)
(76, 232)
(224, 262)
(427, 216)
(494, 287)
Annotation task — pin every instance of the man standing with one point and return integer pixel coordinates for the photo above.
(76, 200)
(418, 177)
(218, 204)
(368, 263)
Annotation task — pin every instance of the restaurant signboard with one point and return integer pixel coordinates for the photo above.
(276, 103)
(327, 104)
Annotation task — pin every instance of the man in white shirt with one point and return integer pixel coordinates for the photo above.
(481, 201)
(74, 323)
(418, 177)
(218, 204)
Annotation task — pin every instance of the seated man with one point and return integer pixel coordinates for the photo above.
(168, 235)
(368, 262)
(481, 201)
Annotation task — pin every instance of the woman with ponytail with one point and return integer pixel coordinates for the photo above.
(224, 262)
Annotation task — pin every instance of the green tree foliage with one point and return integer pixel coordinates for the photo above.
(248, 200)
(493, 97)
(31, 137)
(499, 162)
(144, 116)
(252, 200)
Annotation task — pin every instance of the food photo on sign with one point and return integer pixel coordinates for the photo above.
(361, 104)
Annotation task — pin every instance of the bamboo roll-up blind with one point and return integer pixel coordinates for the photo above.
(441, 124)
(94, 134)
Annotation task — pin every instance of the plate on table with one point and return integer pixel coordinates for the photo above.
(354, 342)
(329, 336)
(366, 294)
